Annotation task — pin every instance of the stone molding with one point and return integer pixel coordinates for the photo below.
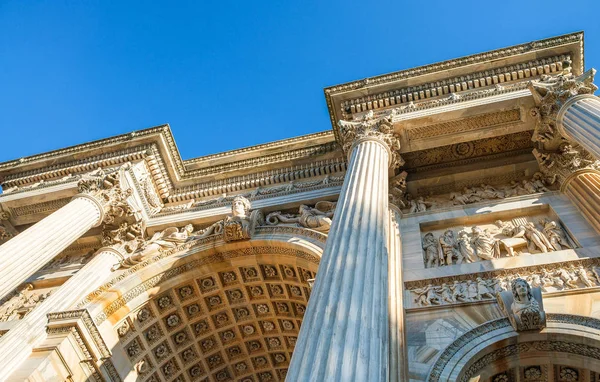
(39, 208)
(203, 244)
(257, 180)
(489, 120)
(574, 38)
(502, 325)
(503, 76)
(88, 338)
(589, 265)
(189, 267)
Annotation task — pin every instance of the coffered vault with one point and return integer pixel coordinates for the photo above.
(451, 207)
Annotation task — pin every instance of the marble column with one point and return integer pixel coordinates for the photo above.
(398, 356)
(345, 334)
(579, 120)
(30, 250)
(583, 188)
(17, 344)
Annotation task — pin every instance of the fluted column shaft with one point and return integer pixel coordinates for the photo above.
(583, 188)
(398, 355)
(27, 252)
(17, 344)
(579, 120)
(344, 334)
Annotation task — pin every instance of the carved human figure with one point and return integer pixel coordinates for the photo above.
(494, 285)
(426, 296)
(449, 248)
(472, 291)
(529, 186)
(551, 279)
(581, 274)
(514, 236)
(536, 281)
(536, 239)
(416, 205)
(447, 295)
(566, 277)
(471, 195)
(486, 247)
(459, 199)
(464, 247)
(430, 246)
(458, 291)
(487, 192)
(317, 218)
(556, 236)
(539, 180)
(483, 290)
(525, 309)
(516, 189)
(167, 238)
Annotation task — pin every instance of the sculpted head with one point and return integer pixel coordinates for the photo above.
(188, 228)
(240, 207)
(521, 290)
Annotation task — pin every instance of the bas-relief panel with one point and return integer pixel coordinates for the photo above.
(490, 236)
(559, 208)
(429, 333)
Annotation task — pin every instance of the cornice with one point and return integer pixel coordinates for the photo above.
(260, 147)
(457, 62)
(441, 85)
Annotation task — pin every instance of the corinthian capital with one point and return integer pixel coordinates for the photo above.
(568, 159)
(550, 93)
(371, 128)
(107, 191)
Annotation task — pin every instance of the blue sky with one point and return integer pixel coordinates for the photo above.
(231, 74)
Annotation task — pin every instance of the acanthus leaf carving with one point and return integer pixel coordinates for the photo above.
(369, 126)
(568, 158)
(108, 191)
(550, 93)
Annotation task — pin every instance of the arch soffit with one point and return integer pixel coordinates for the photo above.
(131, 287)
(496, 340)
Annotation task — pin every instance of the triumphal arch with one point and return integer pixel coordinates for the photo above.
(445, 228)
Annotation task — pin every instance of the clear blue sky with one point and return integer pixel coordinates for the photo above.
(226, 74)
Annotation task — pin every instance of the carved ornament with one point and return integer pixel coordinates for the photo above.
(550, 94)
(107, 191)
(484, 286)
(317, 217)
(567, 159)
(488, 242)
(523, 305)
(369, 127)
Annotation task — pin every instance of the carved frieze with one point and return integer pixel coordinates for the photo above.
(477, 191)
(240, 225)
(317, 217)
(483, 286)
(467, 244)
(466, 152)
(21, 302)
(476, 122)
